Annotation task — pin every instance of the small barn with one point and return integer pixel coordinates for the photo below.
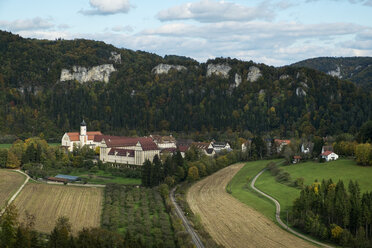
(68, 178)
(329, 156)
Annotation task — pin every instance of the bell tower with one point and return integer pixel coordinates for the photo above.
(83, 128)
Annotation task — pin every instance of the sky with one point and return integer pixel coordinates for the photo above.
(274, 32)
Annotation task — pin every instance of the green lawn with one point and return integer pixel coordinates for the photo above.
(102, 177)
(343, 169)
(240, 189)
(7, 146)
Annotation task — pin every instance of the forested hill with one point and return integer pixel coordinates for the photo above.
(50, 86)
(355, 69)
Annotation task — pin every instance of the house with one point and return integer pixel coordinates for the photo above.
(281, 143)
(307, 147)
(329, 156)
(164, 141)
(127, 150)
(183, 149)
(205, 147)
(296, 159)
(246, 145)
(84, 138)
(221, 146)
(327, 148)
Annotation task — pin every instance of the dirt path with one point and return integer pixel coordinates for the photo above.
(232, 223)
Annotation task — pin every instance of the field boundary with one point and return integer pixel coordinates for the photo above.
(277, 213)
(17, 192)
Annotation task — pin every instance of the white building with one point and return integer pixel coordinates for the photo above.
(127, 150)
(164, 142)
(71, 139)
(221, 146)
(329, 156)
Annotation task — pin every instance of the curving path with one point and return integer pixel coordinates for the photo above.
(277, 213)
(195, 238)
(18, 191)
(230, 222)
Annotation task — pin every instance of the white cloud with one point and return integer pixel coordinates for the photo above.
(36, 23)
(213, 11)
(121, 28)
(107, 7)
(363, 2)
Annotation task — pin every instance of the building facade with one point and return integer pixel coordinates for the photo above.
(79, 139)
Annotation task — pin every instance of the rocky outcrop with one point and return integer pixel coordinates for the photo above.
(218, 69)
(83, 74)
(300, 92)
(115, 57)
(254, 74)
(284, 77)
(238, 80)
(165, 68)
(335, 73)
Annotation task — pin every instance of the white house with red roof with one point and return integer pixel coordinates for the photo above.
(329, 156)
(127, 150)
(71, 139)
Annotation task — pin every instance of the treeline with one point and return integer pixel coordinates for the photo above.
(331, 212)
(285, 101)
(15, 234)
(177, 169)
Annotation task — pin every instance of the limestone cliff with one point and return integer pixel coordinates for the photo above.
(83, 74)
(218, 69)
(164, 68)
(254, 74)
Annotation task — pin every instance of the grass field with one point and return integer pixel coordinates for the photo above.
(343, 169)
(7, 146)
(239, 187)
(10, 181)
(82, 205)
(102, 177)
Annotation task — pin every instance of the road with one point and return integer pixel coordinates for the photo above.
(277, 213)
(189, 229)
(18, 191)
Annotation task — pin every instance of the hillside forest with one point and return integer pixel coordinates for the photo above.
(283, 102)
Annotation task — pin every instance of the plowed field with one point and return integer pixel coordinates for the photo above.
(10, 181)
(82, 205)
(232, 223)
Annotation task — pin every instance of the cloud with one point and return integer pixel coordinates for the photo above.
(120, 28)
(107, 7)
(210, 11)
(363, 2)
(36, 23)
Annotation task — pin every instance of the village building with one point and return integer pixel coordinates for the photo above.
(327, 148)
(280, 144)
(164, 142)
(329, 156)
(221, 146)
(307, 147)
(246, 145)
(127, 150)
(84, 138)
(296, 159)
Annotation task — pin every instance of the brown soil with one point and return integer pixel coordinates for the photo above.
(10, 181)
(232, 223)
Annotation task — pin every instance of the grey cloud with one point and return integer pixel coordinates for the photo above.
(212, 11)
(120, 28)
(36, 23)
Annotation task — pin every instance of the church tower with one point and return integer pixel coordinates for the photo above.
(83, 128)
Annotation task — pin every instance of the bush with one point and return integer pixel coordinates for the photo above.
(283, 177)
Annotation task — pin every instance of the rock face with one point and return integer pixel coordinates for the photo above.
(300, 92)
(253, 74)
(335, 73)
(164, 68)
(83, 74)
(218, 69)
(115, 57)
(238, 80)
(284, 77)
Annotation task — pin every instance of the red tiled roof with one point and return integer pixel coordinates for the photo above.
(297, 157)
(326, 153)
(183, 148)
(201, 145)
(170, 149)
(74, 136)
(117, 141)
(287, 142)
(121, 152)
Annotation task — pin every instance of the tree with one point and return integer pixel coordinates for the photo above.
(193, 174)
(3, 157)
(363, 154)
(8, 224)
(12, 161)
(365, 132)
(147, 173)
(61, 234)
